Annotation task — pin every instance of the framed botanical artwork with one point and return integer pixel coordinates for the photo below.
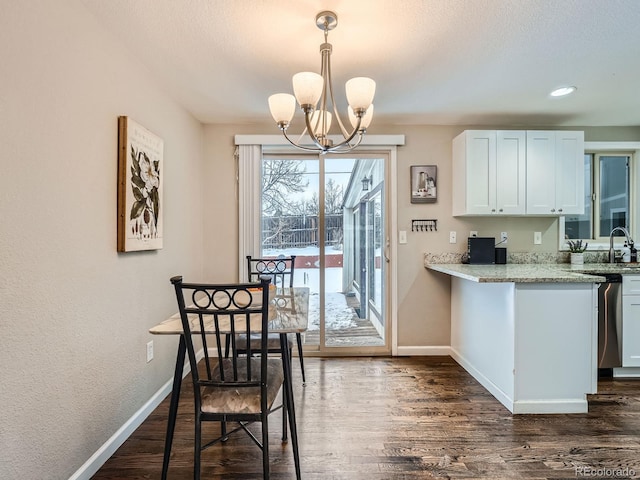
(423, 183)
(140, 178)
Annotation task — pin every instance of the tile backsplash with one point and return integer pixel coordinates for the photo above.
(559, 257)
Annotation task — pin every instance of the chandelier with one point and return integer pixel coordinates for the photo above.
(314, 93)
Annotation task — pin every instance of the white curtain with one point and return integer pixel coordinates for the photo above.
(249, 165)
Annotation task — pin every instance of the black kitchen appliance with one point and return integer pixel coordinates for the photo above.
(501, 255)
(482, 250)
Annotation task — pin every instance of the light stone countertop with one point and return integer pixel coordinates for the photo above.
(534, 273)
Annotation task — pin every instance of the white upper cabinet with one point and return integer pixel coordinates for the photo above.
(517, 172)
(511, 172)
(555, 175)
(489, 172)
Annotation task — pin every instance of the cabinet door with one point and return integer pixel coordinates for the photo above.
(510, 172)
(541, 172)
(480, 152)
(631, 330)
(569, 172)
(631, 285)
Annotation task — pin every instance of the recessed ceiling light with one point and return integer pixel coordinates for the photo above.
(561, 92)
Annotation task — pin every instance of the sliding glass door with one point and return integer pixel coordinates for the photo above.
(329, 211)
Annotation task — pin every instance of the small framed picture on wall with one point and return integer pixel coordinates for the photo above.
(424, 184)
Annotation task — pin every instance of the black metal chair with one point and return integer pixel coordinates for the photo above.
(280, 270)
(236, 389)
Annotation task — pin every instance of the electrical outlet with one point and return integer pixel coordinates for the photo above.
(452, 237)
(503, 237)
(473, 233)
(149, 351)
(402, 237)
(537, 238)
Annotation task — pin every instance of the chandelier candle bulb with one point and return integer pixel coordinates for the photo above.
(366, 118)
(307, 87)
(318, 121)
(360, 92)
(282, 106)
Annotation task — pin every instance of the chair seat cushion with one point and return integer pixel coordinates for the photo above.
(234, 399)
(273, 342)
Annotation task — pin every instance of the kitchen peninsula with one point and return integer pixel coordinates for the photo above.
(527, 333)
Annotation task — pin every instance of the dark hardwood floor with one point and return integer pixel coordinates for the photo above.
(403, 418)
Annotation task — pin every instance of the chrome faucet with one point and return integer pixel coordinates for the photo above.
(612, 252)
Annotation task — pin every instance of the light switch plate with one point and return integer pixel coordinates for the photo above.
(402, 237)
(537, 238)
(149, 351)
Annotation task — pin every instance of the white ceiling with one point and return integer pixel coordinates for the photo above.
(448, 62)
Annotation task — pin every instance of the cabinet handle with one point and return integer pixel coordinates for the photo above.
(560, 210)
(500, 209)
(553, 210)
(493, 210)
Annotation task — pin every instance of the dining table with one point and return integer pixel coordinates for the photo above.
(288, 313)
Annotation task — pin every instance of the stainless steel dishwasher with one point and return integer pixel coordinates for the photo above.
(610, 322)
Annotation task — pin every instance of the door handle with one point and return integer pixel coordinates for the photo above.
(386, 251)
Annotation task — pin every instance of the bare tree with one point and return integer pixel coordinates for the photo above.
(281, 178)
(333, 196)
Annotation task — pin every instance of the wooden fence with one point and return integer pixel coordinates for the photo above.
(299, 231)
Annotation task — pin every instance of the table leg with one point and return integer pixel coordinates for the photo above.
(285, 429)
(288, 393)
(173, 405)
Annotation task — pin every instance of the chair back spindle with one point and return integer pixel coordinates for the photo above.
(280, 269)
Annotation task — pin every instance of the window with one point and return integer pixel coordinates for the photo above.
(607, 198)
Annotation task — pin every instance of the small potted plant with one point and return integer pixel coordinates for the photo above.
(577, 251)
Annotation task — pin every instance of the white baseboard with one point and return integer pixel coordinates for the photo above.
(499, 395)
(423, 351)
(555, 405)
(626, 372)
(99, 458)
(551, 406)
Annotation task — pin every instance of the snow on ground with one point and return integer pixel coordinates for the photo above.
(338, 315)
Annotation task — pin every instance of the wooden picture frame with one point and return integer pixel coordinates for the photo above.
(424, 179)
(140, 180)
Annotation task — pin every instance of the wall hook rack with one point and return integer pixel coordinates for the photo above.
(429, 225)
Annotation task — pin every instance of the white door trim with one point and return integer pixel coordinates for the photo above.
(249, 163)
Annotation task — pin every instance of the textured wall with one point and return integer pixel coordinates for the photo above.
(423, 296)
(74, 314)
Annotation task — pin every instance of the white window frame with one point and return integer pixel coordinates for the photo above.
(632, 148)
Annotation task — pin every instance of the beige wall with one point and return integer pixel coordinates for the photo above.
(74, 314)
(423, 296)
